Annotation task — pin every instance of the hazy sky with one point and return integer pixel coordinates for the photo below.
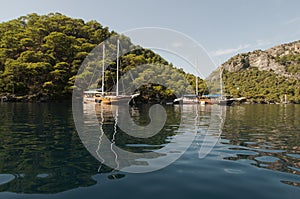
(223, 27)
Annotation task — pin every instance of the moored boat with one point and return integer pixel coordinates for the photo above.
(110, 98)
(114, 97)
(92, 96)
(226, 102)
(188, 99)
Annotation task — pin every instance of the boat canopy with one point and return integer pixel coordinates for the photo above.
(212, 95)
(92, 91)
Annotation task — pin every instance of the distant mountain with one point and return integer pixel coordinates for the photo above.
(282, 59)
(265, 76)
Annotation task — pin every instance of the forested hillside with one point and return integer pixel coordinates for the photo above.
(40, 56)
(265, 76)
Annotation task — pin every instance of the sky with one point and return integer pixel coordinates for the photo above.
(223, 28)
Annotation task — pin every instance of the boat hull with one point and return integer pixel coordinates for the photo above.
(91, 97)
(226, 102)
(115, 99)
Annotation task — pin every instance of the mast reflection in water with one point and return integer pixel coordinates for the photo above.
(41, 152)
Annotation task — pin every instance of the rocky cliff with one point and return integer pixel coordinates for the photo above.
(282, 59)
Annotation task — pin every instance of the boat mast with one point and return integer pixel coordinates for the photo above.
(221, 83)
(103, 57)
(117, 88)
(196, 80)
(196, 86)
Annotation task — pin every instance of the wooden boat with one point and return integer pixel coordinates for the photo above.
(204, 100)
(114, 97)
(108, 97)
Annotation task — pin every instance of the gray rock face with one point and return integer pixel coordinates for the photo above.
(264, 60)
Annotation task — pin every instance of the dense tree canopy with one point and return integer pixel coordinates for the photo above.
(41, 55)
(261, 86)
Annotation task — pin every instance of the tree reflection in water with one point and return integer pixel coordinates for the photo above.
(42, 153)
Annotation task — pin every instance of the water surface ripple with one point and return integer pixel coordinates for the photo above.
(257, 155)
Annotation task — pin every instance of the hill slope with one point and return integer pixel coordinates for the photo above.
(40, 57)
(280, 59)
(265, 76)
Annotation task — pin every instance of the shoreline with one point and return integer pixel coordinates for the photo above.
(25, 100)
(41, 98)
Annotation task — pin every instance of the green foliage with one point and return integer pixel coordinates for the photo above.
(289, 59)
(261, 86)
(293, 69)
(42, 55)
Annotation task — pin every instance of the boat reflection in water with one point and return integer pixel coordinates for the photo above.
(42, 153)
(129, 148)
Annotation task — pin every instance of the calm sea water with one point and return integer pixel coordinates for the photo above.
(256, 156)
